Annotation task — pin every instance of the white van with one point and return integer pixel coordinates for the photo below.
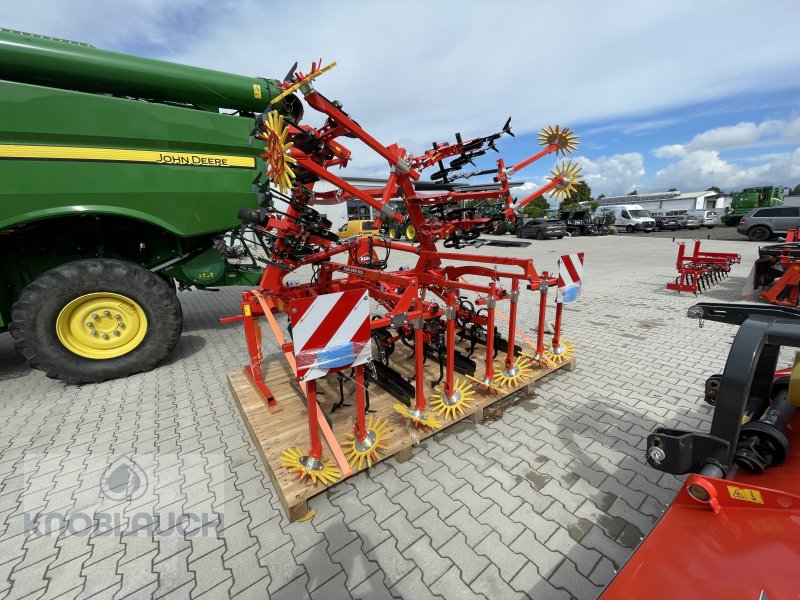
(707, 218)
(630, 217)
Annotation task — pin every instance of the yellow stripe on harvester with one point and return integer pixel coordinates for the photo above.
(118, 155)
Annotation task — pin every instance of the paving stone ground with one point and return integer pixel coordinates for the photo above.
(151, 487)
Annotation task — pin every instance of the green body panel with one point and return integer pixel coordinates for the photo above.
(207, 268)
(186, 200)
(38, 59)
(111, 197)
(748, 199)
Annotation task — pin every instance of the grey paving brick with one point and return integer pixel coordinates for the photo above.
(351, 505)
(508, 562)
(545, 559)
(431, 564)
(373, 588)
(603, 572)
(402, 530)
(303, 535)
(451, 586)
(318, 565)
(246, 570)
(500, 497)
(282, 568)
(507, 528)
(567, 577)
(390, 561)
(411, 503)
(369, 532)
(336, 533)
(492, 584)
(584, 558)
(357, 567)
(412, 586)
(469, 563)
(295, 588)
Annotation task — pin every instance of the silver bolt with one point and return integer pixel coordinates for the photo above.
(105, 336)
(116, 332)
(95, 316)
(106, 313)
(90, 324)
(121, 325)
(656, 454)
(117, 316)
(94, 332)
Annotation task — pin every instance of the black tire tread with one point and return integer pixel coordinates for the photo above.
(149, 290)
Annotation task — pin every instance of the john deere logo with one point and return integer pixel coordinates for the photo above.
(123, 480)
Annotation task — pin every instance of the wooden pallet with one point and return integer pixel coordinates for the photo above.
(275, 429)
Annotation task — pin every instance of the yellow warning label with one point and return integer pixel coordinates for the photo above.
(256, 91)
(247, 312)
(120, 155)
(745, 494)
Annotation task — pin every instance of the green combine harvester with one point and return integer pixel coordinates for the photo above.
(120, 182)
(748, 199)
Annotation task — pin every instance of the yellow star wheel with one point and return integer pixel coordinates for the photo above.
(486, 384)
(447, 407)
(565, 139)
(570, 173)
(541, 361)
(419, 417)
(562, 354)
(363, 452)
(295, 460)
(277, 152)
(520, 371)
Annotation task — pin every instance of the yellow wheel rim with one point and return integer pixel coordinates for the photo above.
(102, 325)
(411, 232)
(393, 233)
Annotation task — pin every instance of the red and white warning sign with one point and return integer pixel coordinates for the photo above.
(570, 273)
(330, 332)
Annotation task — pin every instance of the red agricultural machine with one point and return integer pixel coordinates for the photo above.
(733, 529)
(353, 302)
(700, 270)
(777, 271)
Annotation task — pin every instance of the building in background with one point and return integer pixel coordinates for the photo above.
(666, 202)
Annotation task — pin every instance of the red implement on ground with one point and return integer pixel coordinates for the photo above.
(700, 270)
(424, 306)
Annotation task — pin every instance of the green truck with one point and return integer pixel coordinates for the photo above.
(120, 182)
(748, 199)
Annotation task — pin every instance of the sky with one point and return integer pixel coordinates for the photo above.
(679, 94)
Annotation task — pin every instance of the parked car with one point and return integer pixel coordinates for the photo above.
(761, 224)
(358, 227)
(688, 221)
(542, 228)
(707, 218)
(664, 223)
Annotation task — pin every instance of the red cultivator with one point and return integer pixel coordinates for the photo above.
(424, 306)
(700, 270)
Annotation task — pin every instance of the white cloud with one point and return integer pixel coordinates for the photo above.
(700, 169)
(744, 134)
(613, 175)
(437, 67)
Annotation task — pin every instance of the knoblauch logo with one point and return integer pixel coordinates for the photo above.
(123, 479)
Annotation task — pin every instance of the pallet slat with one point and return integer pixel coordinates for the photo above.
(286, 425)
